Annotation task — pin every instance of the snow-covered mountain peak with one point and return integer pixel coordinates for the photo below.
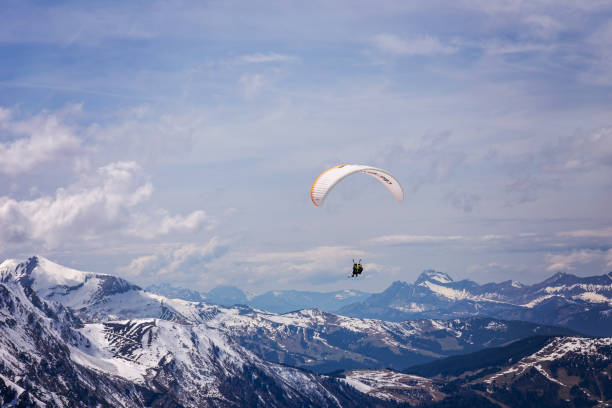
(430, 275)
(55, 282)
(46, 274)
(41, 272)
(516, 284)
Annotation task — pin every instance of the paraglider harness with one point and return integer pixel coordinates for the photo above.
(357, 269)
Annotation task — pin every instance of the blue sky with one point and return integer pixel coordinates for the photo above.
(177, 141)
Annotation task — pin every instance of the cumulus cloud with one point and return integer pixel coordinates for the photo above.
(160, 222)
(43, 138)
(110, 201)
(179, 263)
(419, 45)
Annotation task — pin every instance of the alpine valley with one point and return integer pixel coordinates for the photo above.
(71, 338)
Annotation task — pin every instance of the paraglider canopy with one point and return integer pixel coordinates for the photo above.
(332, 176)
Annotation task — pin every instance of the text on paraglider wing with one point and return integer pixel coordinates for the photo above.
(380, 176)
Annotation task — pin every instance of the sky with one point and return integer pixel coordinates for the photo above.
(177, 141)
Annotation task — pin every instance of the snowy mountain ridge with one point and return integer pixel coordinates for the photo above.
(581, 303)
(534, 372)
(430, 275)
(50, 356)
(97, 339)
(308, 338)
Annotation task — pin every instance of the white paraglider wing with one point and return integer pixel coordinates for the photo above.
(330, 177)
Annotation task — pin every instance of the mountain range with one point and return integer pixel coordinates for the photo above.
(538, 372)
(275, 301)
(583, 304)
(80, 339)
(94, 338)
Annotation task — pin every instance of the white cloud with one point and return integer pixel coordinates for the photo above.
(181, 262)
(588, 233)
(160, 222)
(206, 266)
(400, 239)
(41, 139)
(419, 45)
(110, 201)
(260, 58)
(494, 237)
(566, 262)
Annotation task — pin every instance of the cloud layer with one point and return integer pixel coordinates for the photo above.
(112, 200)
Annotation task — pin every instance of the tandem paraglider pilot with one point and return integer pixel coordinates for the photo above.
(357, 269)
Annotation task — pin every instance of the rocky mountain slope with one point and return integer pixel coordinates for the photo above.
(582, 304)
(52, 356)
(325, 342)
(394, 386)
(538, 371)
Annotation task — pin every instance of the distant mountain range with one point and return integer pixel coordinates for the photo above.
(324, 342)
(582, 304)
(276, 301)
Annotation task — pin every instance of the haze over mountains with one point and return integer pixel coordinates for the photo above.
(73, 338)
(276, 301)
